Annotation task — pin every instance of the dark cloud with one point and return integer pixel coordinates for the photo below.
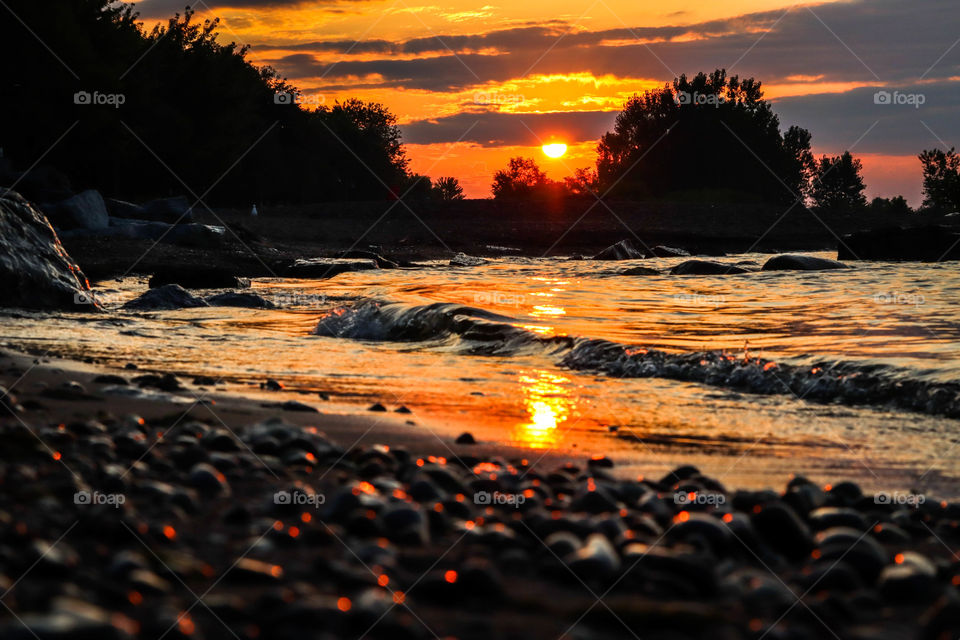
(166, 8)
(494, 129)
(865, 41)
(903, 120)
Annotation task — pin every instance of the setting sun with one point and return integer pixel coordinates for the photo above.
(554, 150)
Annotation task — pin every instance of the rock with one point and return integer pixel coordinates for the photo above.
(110, 379)
(402, 409)
(662, 251)
(827, 517)
(326, 267)
(931, 243)
(124, 209)
(171, 296)
(705, 268)
(243, 300)
(465, 438)
(173, 210)
(640, 271)
(377, 407)
(8, 401)
(188, 235)
(206, 479)
(596, 559)
(623, 250)
(68, 619)
(789, 262)
(271, 385)
(382, 262)
(912, 579)
(166, 382)
(35, 270)
(463, 260)
(783, 530)
(86, 210)
(193, 278)
(293, 405)
(860, 551)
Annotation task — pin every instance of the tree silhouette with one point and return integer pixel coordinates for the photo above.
(838, 184)
(447, 189)
(708, 133)
(521, 179)
(941, 180)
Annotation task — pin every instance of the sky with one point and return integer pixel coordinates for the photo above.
(475, 83)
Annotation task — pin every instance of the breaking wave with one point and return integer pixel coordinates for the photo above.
(475, 331)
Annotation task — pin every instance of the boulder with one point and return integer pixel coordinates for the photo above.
(705, 268)
(173, 210)
(35, 270)
(85, 210)
(623, 250)
(661, 251)
(198, 278)
(124, 209)
(640, 271)
(789, 262)
(931, 243)
(244, 300)
(171, 296)
(383, 263)
(326, 267)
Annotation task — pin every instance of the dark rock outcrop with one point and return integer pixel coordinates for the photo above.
(790, 262)
(35, 270)
(623, 250)
(326, 267)
(705, 268)
(640, 271)
(173, 210)
(170, 296)
(662, 251)
(86, 210)
(235, 299)
(383, 263)
(932, 243)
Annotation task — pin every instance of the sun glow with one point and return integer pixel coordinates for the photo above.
(554, 150)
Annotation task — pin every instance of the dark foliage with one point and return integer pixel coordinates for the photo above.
(196, 115)
(838, 184)
(941, 180)
(709, 133)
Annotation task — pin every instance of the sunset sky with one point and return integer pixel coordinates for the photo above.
(474, 83)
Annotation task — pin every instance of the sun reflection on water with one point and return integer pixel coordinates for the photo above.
(547, 399)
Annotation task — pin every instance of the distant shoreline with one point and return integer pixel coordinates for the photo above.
(257, 246)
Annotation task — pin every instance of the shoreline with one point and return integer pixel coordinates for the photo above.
(124, 517)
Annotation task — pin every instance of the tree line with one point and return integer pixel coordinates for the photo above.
(714, 138)
(137, 112)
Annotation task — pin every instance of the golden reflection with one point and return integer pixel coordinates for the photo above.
(547, 400)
